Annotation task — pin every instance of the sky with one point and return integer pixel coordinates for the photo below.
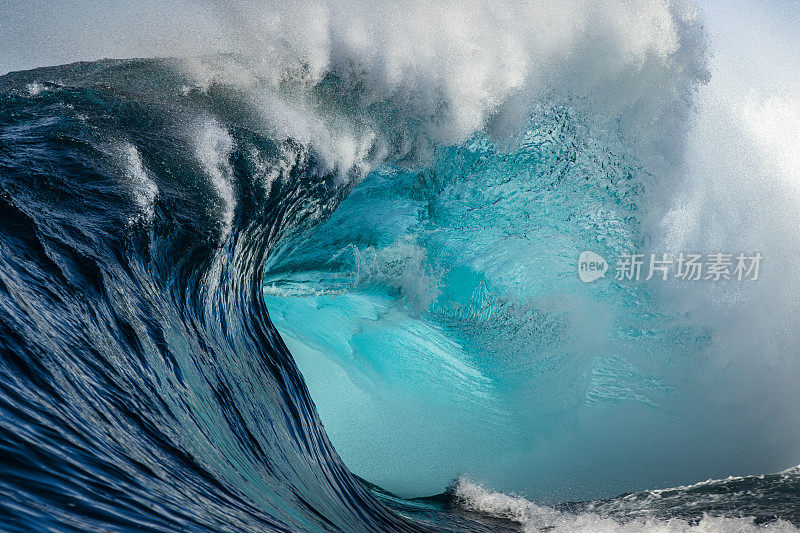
(36, 33)
(755, 43)
(51, 32)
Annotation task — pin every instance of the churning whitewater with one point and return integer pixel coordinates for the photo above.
(387, 203)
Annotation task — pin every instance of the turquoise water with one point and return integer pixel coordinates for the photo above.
(442, 328)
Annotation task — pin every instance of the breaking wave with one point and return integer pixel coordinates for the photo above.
(402, 191)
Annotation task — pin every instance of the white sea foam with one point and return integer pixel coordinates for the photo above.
(362, 81)
(269, 170)
(444, 70)
(741, 178)
(403, 266)
(144, 190)
(533, 517)
(35, 88)
(365, 80)
(213, 149)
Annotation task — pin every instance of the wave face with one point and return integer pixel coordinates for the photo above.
(143, 385)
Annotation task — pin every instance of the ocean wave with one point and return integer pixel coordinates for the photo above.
(400, 188)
